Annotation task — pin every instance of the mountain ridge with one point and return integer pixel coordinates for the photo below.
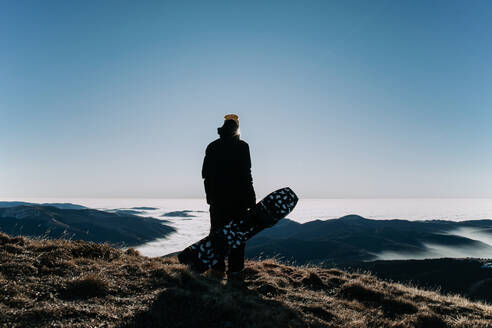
(370, 237)
(83, 224)
(63, 206)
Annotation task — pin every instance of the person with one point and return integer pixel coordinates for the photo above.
(228, 186)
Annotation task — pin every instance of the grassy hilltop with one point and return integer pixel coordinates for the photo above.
(61, 283)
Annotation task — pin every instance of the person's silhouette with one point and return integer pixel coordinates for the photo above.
(228, 185)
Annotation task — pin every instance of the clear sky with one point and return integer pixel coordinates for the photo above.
(336, 98)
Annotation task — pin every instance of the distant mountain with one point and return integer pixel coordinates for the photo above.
(120, 229)
(65, 206)
(125, 211)
(183, 214)
(352, 239)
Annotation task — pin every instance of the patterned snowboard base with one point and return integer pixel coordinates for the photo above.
(211, 250)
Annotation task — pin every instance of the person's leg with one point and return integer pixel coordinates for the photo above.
(216, 218)
(236, 256)
(236, 259)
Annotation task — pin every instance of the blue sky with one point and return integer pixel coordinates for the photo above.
(336, 98)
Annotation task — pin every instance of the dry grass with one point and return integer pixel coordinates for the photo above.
(77, 284)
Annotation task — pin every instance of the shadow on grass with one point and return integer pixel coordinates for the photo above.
(203, 302)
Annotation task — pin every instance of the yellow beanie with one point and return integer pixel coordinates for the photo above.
(233, 117)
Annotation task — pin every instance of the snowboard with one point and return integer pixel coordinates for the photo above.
(208, 251)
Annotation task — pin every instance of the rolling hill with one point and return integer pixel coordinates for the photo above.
(352, 239)
(122, 229)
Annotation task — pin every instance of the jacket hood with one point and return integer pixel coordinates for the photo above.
(229, 129)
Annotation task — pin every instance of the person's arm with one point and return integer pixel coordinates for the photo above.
(206, 167)
(247, 177)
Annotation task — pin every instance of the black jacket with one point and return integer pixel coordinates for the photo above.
(227, 173)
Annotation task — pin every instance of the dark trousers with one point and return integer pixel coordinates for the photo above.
(219, 217)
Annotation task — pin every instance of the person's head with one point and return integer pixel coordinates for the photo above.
(230, 127)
